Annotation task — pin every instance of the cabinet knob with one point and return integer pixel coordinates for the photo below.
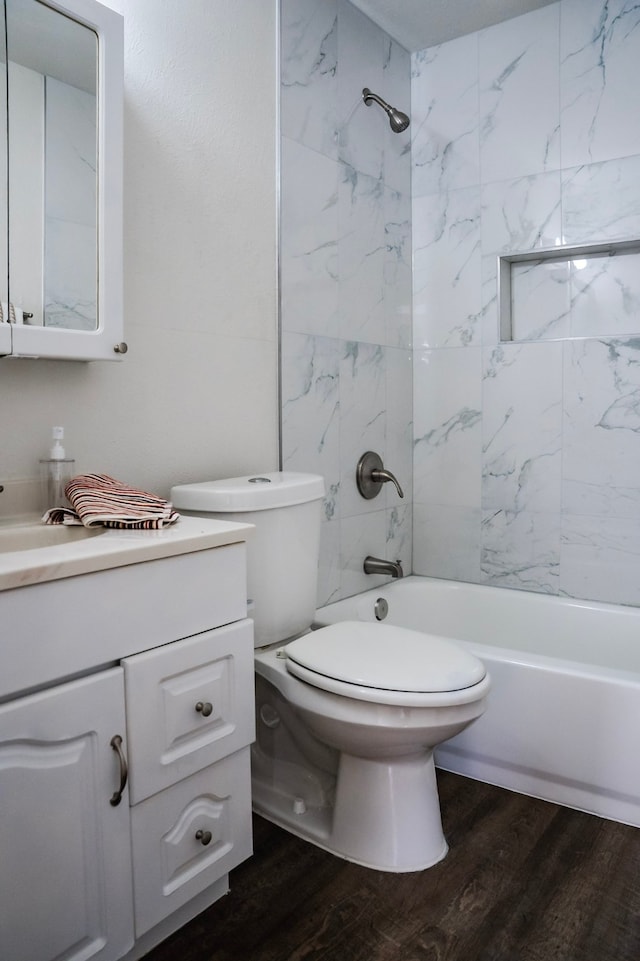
(204, 837)
(204, 707)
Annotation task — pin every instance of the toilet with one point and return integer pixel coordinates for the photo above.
(347, 716)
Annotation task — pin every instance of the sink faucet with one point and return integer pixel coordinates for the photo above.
(376, 565)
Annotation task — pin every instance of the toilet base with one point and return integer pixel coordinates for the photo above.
(383, 815)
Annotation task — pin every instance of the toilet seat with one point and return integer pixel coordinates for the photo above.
(386, 664)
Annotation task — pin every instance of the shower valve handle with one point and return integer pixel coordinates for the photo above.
(371, 475)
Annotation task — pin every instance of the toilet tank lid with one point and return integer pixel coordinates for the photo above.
(255, 492)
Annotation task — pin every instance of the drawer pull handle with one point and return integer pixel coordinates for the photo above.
(204, 837)
(116, 744)
(204, 707)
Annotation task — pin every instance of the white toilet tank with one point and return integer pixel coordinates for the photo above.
(282, 552)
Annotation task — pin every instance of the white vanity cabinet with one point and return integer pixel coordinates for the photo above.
(65, 891)
(106, 847)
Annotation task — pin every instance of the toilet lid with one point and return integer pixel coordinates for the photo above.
(386, 657)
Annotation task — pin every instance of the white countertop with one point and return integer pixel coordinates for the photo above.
(115, 548)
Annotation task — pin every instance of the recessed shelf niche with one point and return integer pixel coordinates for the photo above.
(570, 292)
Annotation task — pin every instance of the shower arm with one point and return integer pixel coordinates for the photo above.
(368, 95)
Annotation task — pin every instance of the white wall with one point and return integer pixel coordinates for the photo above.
(196, 395)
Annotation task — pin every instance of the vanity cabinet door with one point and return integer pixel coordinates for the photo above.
(189, 836)
(189, 704)
(65, 862)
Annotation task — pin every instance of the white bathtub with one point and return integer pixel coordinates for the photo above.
(563, 719)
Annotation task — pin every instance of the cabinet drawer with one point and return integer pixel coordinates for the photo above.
(173, 857)
(189, 704)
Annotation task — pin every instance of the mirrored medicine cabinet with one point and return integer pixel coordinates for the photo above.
(61, 80)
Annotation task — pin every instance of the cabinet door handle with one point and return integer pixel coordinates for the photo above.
(204, 707)
(204, 837)
(116, 744)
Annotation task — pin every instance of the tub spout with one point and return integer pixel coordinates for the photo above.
(376, 565)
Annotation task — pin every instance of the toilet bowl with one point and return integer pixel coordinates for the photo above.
(347, 716)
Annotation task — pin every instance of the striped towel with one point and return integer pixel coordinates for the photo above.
(61, 515)
(99, 499)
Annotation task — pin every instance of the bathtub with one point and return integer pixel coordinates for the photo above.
(563, 717)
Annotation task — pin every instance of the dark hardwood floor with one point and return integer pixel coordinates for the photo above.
(524, 880)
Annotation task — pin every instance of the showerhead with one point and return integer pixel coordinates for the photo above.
(398, 120)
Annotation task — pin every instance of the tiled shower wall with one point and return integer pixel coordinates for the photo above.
(527, 453)
(346, 279)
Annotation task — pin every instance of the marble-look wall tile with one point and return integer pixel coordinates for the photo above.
(380, 533)
(360, 536)
(396, 70)
(601, 201)
(519, 96)
(518, 215)
(600, 558)
(346, 279)
(522, 428)
(447, 427)
(489, 319)
(329, 574)
(397, 274)
(399, 535)
(374, 261)
(363, 399)
(447, 285)
(549, 499)
(445, 139)
(605, 296)
(521, 214)
(600, 112)
(309, 241)
(309, 83)
(311, 410)
(540, 300)
(361, 55)
(601, 459)
(361, 257)
(521, 549)
(398, 449)
(446, 541)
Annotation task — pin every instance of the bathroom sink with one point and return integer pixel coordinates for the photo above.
(32, 536)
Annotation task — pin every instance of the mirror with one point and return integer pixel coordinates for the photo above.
(52, 167)
(64, 79)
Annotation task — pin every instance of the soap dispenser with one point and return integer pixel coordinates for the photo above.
(55, 472)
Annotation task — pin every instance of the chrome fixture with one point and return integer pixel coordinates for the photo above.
(371, 475)
(376, 565)
(398, 120)
(381, 609)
